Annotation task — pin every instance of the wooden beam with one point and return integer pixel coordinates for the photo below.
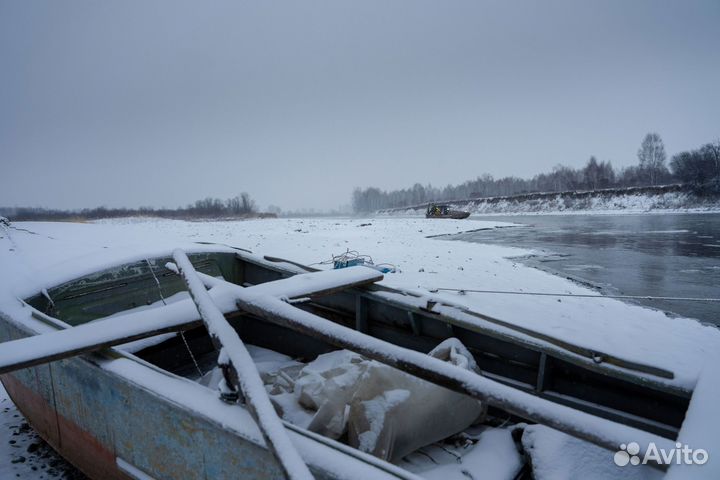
(234, 355)
(315, 284)
(119, 329)
(52, 346)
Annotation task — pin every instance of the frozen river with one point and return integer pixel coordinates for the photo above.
(669, 255)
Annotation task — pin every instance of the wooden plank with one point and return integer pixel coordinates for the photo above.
(48, 347)
(315, 284)
(53, 346)
(250, 383)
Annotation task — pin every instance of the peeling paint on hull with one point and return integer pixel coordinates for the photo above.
(76, 445)
(92, 416)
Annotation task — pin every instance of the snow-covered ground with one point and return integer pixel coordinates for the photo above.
(23, 454)
(41, 254)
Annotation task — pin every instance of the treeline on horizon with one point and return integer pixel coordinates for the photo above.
(698, 168)
(236, 207)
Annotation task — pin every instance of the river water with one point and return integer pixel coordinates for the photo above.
(668, 255)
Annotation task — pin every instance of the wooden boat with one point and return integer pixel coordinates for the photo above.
(134, 411)
(444, 211)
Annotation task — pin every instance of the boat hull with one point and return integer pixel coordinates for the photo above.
(77, 446)
(452, 215)
(93, 417)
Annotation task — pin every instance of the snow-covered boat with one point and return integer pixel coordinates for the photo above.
(117, 371)
(444, 211)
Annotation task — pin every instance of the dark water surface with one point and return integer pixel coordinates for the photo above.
(669, 255)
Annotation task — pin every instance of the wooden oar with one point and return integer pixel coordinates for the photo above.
(234, 355)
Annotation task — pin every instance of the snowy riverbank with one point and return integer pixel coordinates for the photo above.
(619, 201)
(39, 255)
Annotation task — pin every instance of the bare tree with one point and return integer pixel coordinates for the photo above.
(606, 175)
(652, 157)
(591, 174)
(712, 152)
(699, 168)
(248, 205)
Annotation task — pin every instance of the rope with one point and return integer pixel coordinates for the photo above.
(344, 257)
(350, 255)
(182, 334)
(51, 305)
(579, 295)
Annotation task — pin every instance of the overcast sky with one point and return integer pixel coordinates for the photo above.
(122, 103)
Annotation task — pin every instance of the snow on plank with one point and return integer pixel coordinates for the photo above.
(48, 347)
(119, 329)
(324, 282)
(248, 377)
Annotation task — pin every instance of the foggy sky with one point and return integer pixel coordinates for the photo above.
(124, 103)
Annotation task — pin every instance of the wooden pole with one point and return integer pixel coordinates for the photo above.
(234, 354)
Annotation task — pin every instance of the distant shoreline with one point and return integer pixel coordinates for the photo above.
(689, 211)
(626, 201)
